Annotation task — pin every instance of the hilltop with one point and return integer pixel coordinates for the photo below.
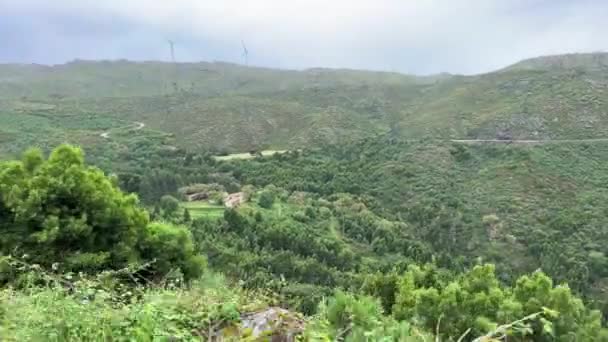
(585, 61)
(235, 108)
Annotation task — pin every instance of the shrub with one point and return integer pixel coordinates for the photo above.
(169, 205)
(346, 317)
(171, 248)
(266, 199)
(88, 313)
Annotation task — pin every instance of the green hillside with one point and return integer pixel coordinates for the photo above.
(380, 241)
(235, 108)
(368, 224)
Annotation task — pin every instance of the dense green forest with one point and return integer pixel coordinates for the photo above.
(316, 236)
(520, 207)
(365, 222)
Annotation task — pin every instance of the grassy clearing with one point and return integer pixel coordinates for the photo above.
(200, 209)
(242, 156)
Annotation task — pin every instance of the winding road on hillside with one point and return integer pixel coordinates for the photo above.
(136, 126)
(546, 141)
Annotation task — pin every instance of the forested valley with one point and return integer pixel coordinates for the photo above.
(381, 239)
(318, 205)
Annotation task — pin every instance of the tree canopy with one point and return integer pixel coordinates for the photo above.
(61, 210)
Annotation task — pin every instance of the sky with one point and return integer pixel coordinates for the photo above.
(408, 36)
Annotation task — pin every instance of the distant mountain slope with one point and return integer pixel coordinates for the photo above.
(588, 61)
(232, 107)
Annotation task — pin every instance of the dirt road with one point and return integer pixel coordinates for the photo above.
(136, 126)
(556, 141)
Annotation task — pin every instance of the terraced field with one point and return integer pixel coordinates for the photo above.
(245, 156)
(200, 209)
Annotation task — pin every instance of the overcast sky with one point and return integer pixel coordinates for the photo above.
(410, 36)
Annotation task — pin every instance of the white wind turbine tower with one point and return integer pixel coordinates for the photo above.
(245, 53)
(172, 48)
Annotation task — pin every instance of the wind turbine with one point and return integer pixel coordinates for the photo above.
(172, 47)
(245, 53)
(175, 66)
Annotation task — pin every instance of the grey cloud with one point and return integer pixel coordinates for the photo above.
(465, 36)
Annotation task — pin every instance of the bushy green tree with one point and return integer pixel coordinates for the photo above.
(346, 317)
(62, 211)
(266, 199)
(476, 300)
(169, 205)
(171, 248)
(536, 291)
(346, 309)
(382, 286)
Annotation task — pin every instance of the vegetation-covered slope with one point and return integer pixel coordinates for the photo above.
(521, 207)
(373, 200)
(394, 202)
(66, 276)
(225, 106)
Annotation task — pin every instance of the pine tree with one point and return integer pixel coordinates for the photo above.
(187, 217)
(156, 212)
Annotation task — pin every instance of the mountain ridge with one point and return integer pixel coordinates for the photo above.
(230, 107)
(564, 61)
(531, 62)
